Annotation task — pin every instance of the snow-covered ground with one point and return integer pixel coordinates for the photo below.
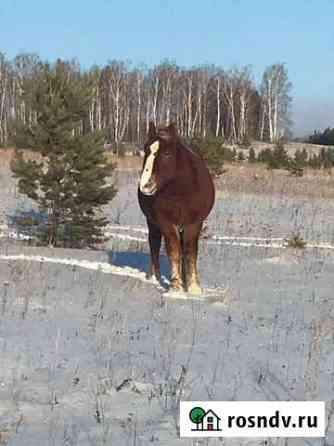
(92, 353)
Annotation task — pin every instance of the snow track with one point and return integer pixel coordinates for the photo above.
(262, 242)
(117, 232)
(212, 294)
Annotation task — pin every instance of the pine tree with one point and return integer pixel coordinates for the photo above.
(241, 156)
(314, 162)
(328, 158)
(251, 155)
(72, 180)
(265, 155)
(295, 168)
(304, 156)
(280, 157)
(211, 150)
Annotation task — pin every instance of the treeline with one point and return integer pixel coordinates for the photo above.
(277, 157)
(325, 138)
(203, 101)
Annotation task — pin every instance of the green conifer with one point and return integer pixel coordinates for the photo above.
(71, 181)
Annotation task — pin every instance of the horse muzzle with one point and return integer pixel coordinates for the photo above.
(147, 183)
(148, 189)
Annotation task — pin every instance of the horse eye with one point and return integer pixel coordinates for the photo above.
(167, 154)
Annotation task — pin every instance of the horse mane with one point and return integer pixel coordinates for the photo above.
(170, 133)
(187, 148)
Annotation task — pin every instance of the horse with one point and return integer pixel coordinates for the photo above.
(176, 194)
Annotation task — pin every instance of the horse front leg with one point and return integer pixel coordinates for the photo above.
(190, 251)
(154, 237)
(174, 252)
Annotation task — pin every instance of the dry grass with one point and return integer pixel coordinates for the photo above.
(238, 178)
(290, 147)
(257, 179)
(122, 163)
(126, 162)
(6, 156)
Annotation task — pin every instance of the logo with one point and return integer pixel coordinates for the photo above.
(204, 420)
(252, 419)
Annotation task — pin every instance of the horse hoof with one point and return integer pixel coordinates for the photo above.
(176, 286)
(195, 289)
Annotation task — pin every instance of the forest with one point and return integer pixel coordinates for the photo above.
(204, 101)
(325, 138)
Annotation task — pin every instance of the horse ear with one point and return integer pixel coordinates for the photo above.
(168, 133)
(151, 130)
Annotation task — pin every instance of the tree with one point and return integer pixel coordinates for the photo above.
(115, 78)
(295, 168)
(326, 137)
(217, 88)
(327, 157)
(279, 157)
(251, 155)
(71, 181)
(230, 88)
(212, 151)
(241, 156)
(265, 155)
(245, 95)
(4, 81)
(314, 161)
(276, 102)
(204, 100)
(301, 157)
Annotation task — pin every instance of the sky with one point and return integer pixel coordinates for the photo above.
(227, 33)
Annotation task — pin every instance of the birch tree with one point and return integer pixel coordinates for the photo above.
(230, 91)
(245, 95)
(276, 100)
(116, 89)
(204, 100)
(139, 92)
(4, 97)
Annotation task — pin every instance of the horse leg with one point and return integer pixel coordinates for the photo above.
(154, 237)
(183, 260)
(190, 250)
(174, 252)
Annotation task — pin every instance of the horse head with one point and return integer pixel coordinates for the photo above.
(160, 159)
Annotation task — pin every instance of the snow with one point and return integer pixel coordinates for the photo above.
(92, 352)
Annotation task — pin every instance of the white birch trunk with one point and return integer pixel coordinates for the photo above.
(218, 108)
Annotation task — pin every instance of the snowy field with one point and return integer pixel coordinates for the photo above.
(91, 353)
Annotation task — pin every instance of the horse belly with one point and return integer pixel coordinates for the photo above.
(179, 212)
(169, 210)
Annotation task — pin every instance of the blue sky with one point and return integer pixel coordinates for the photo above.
(222, 32)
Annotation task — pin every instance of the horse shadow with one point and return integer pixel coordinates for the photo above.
(137, 260)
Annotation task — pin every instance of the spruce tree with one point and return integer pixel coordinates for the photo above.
(314, 161)
(71, 181)
(279, 157)
(241, 156)
(251, 155)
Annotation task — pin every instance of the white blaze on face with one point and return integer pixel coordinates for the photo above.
(148, 168)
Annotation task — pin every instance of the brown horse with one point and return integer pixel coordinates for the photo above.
(176, 194)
